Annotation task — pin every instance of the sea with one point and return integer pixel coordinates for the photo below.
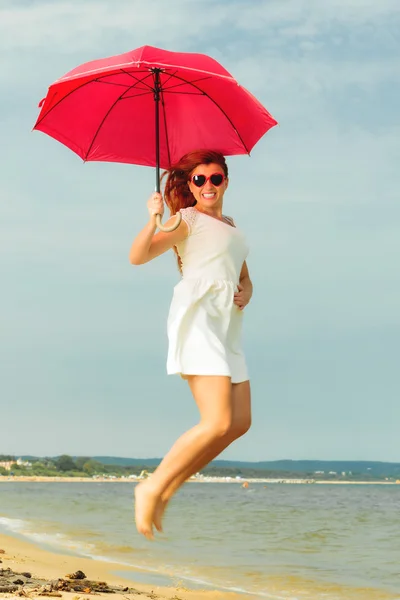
(279, 541)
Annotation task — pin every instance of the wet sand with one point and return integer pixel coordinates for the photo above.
(21, 557)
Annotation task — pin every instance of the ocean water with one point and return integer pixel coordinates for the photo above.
(276, 541)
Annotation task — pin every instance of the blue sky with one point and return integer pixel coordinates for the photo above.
(83, 342)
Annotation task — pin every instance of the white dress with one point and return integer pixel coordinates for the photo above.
(204, 324)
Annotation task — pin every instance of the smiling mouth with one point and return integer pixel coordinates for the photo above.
(209, 194)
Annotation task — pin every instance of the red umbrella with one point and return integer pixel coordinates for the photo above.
(150, 107)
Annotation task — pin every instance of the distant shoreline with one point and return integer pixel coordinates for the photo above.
(204, 479)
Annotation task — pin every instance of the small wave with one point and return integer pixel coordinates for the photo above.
(61, 541)
(15, 525)
(52, 540)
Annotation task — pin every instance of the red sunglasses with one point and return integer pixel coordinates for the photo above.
(200, 180)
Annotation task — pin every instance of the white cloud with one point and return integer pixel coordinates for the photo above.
(311, 14)
(74, 26)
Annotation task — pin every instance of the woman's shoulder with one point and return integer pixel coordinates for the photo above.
(188, 210)
(189, 215)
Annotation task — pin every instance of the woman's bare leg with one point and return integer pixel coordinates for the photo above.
(241, 421)
(213, 398)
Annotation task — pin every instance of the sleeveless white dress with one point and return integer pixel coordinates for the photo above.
(204, 324)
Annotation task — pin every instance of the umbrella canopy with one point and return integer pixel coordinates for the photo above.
(104, 110)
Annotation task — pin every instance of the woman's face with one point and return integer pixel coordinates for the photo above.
(210, 194)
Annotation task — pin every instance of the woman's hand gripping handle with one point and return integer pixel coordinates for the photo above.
(155, 205)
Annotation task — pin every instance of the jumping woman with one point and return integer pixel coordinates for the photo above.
(204, 322)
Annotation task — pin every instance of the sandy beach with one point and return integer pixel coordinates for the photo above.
(21, 556)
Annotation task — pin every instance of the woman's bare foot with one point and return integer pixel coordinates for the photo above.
(159, 513)
(146, 502)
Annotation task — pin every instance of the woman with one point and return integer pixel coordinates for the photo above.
(204, 323)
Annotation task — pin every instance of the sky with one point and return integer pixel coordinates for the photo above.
(83, 333)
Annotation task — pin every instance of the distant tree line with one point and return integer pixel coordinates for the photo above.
(48, 467)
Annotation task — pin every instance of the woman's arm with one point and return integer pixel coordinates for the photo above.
(148, 244)
(244, 278)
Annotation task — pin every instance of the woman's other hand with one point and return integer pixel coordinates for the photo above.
(242, 297)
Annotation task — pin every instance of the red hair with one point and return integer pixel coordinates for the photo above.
(177, 194)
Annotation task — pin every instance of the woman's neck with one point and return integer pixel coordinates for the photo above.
(216, 212)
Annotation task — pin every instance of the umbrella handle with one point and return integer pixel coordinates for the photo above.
(157, 90)
(172, 227)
